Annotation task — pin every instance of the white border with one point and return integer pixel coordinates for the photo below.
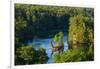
(73, 3)
(44, 2)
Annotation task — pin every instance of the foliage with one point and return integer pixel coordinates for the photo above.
(75, 55)
(81, 28)
(39, 21)
(58, 40)
(28, 55)
(26, 52)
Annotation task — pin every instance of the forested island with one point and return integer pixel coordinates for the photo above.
(42, 30)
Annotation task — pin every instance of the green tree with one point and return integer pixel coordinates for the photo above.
(80, 29)
(28, 55)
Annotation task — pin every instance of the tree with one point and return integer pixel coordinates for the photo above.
(28, 55)
(81, 29)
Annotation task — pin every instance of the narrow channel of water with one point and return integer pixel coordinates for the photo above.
(45, 43)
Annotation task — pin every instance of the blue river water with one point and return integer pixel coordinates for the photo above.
(45, 43)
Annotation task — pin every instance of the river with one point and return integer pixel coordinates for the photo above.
(45, 43)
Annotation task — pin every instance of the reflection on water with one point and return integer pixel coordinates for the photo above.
(45, 43)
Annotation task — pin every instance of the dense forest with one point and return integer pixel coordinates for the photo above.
(39, 21)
